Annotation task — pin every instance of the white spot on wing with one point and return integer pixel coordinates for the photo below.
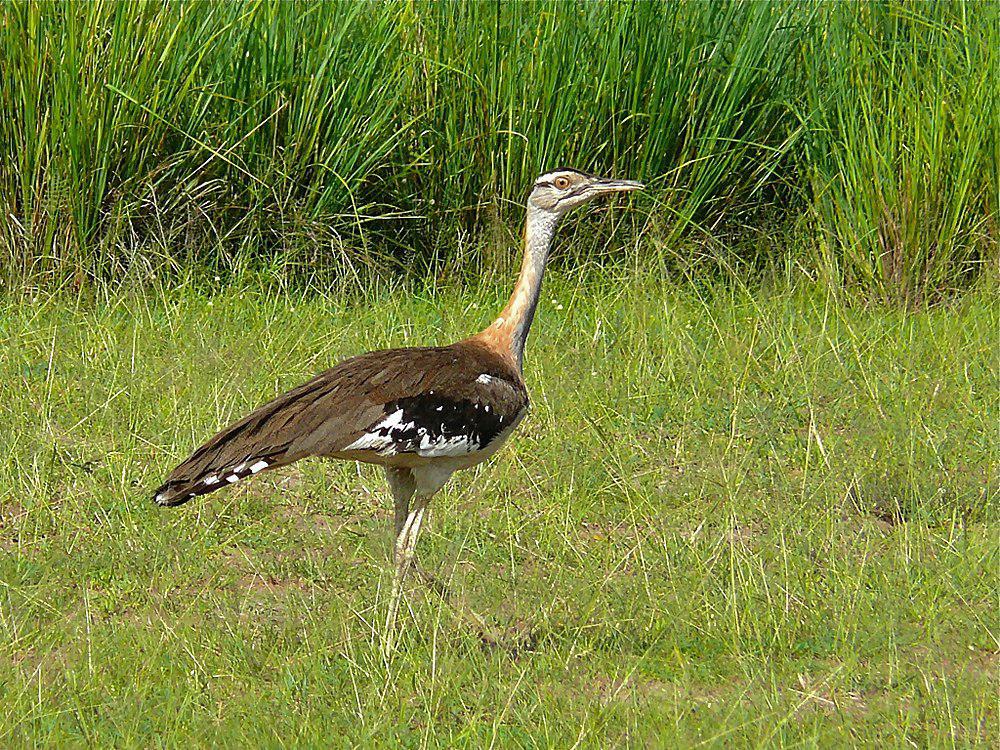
(391, 421)
(214, 479)
(485, 379)
(259, 466)
(232, 478)
(379, 438)
(387, 438)
(458, 445)
(366, 442)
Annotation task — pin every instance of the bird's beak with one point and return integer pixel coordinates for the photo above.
(616, 186)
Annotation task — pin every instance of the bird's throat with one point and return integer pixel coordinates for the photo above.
(509, 331)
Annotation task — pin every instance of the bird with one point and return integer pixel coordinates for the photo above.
(422, 413)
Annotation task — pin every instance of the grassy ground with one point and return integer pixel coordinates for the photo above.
(729, 519)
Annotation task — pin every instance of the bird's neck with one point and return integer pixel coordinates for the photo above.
(509, 331)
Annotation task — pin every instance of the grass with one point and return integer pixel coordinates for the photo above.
(759, 516)
(141, 138)
(731, 519)
(906, 163)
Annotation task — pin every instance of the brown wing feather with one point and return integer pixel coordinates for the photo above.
(329, 412)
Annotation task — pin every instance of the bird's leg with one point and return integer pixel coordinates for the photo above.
(403, 486)
(406, 544)
(402, 513)
(408, 525)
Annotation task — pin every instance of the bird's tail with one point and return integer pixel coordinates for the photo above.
(224, 460)
(261, 441)
(182, 486)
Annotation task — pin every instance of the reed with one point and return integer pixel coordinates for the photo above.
(138, 138)
(903, 160)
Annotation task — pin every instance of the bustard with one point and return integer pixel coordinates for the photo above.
(422, 413)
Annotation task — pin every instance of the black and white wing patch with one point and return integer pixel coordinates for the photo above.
(432, 426)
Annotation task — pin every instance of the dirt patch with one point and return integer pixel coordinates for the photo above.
(891, 499)
(640, 688)
(982, 662)
(603, 531)
(307, 521)
(650, 689)
(271, 584)
(327, 518)
(747, 533)
(816, 695)
(11, 517)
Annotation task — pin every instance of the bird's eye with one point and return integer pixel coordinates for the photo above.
(562, 183)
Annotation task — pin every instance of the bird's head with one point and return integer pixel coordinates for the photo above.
(560, 190)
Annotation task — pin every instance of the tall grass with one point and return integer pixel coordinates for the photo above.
(198, 127)
(687, 95)
(904, 152)
(135, 136)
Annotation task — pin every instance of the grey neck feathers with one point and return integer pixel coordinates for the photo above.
(540, 228)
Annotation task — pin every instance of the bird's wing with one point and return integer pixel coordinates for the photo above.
(436, 401)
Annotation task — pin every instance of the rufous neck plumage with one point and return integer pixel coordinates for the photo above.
(509, 332)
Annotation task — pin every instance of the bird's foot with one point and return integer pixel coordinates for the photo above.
(515, 640)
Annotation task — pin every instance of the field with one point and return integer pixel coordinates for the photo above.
(757, 499)
(731, 518)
